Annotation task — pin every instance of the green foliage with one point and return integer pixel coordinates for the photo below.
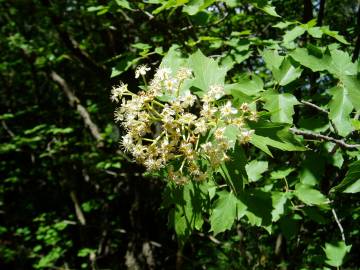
(335, 253)
(69, 200)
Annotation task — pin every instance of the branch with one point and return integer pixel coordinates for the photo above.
(3, 123)
(339, 224)
(321, 137)
(71, 44)
(75, 102)
(320, 110)
(79, 214)
(314, 107)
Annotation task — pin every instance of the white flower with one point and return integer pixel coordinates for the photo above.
(167, 111)
(118, 92)
(152, 164)
(207, 98)
(200, 127)
(219, 133)
(176, 106)
(244, 107)
(216, 91)
(127, 142)
(187, 118)
(186, 148)
(171, 85)
(207, 147)
(167, 119)
(162, 73)
(188, 100)
(253, 116)
(155, 87)
(246, 135)
(227, 109)
(208, 110)
(138, 151)
(141, 70)
(143, 117)
(183, 73)
(118, 115)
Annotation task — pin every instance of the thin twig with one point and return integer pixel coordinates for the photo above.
(75, 102)
(320, 110)
(191, 26)
(318, 136)
(339, 224)
(314, 107)
(3, 123)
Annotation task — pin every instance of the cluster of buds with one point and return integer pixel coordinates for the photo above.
(169, 127)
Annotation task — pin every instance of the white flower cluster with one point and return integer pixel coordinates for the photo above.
(186, 134)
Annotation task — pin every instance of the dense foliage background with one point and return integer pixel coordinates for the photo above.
(71, 199)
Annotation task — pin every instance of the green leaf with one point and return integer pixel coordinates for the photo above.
(356, 124)
(351, 182)
(231, 133)
(272, 59)
(317, 123)
(308, 59)
(283, 25)
(281, 173)
(286, 72)
(173, 59)
(270, 10)
(124, 64)
(187, 204)
(266, 7)
(259, 207)
(274, 134)
(290, 225)
(206, 70)
(255, 169)
(236, 91)
(249, 85)
(281, 106)
(315, 32)
(292, 34)
(233, 171)
(141, 46)
(340, 108)
(335, 253)
(341, 64)
(196, 6)
(278, 201)
(312, 169)
(334, 34)
(352, 84)
(84, 252)
(124, 4)
(309, 195)
(170, 4)
(226, 209)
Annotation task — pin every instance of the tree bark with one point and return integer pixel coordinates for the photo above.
(308, 11)
(321, 13)
(75, 102)
(357, 44)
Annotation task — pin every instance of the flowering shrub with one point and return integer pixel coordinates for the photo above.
(170, 127)
(193, 122)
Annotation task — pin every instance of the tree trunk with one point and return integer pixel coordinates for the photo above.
(308, 11)
(357, 44)
(321, 14)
